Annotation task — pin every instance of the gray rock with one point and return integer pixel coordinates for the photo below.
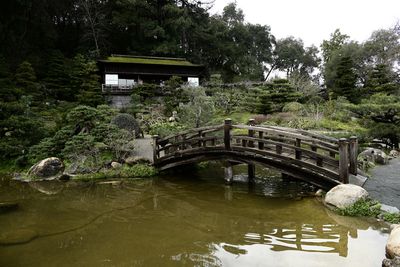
(116, 165)
(394, 153)
(345, 195)
(135, 160)
(20, 236)
(47, 169)
(393, 243)
(319, 193)
(390, 209)
(374, 155)
(391, 262)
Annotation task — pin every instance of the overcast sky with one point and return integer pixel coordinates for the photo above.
(314, 20)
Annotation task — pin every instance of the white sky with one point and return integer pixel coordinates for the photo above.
(314, 20)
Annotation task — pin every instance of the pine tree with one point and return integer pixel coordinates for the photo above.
(8, 91)
(345, 80)
(57, 80)
(381, 80)
(90, 93)
(25, 79)
(275, 95)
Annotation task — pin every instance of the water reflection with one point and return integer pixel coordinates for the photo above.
(181, 221)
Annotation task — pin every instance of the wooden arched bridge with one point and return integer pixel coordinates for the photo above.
(318, 159)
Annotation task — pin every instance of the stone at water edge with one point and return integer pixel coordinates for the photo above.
(116, 165)
(393, 243)
(391, 262)
(48, 168)
(394, 153)
(135, 160)
(319, 193)
(390, 209)
(345, 195)
(373, 155)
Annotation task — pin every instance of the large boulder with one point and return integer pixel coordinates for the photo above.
(345, 195)
(373, 155)
(393, 243)
(47, 169)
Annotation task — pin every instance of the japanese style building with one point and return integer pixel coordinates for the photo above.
(121, 73)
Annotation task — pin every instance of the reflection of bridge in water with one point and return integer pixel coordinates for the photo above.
(305, 237)
(318, 159)
(281, 225)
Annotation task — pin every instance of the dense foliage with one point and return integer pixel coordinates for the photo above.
(50, 100)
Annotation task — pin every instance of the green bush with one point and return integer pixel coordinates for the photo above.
(164, 129)
(127, 122)
(292, 107)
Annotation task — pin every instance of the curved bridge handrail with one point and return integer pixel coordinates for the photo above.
(292, 134)
(204, 130)
(307, 133)
(331, 157)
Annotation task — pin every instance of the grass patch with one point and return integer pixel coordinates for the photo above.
(392, 217)
(368, 207)
(135, 171)
(154, 61)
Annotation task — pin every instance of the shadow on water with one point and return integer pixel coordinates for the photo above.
(185, 219)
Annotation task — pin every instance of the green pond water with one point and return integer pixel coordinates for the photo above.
(187, 219)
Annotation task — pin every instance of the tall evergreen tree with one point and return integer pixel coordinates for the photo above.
(57, 80)
(345, 80)
(25, 79)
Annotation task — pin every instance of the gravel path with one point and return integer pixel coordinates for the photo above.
(384, 184)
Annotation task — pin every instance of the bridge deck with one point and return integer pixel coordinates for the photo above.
(299, 153)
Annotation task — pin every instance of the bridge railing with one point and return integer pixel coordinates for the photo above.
(334, 157)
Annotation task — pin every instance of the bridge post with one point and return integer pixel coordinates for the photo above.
(252, 122)
(298, 151)
(251, 168)
(343, 160)
(353, 150)
(227, 133)
(156, 153)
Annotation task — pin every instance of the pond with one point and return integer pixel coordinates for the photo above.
(185, 219)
